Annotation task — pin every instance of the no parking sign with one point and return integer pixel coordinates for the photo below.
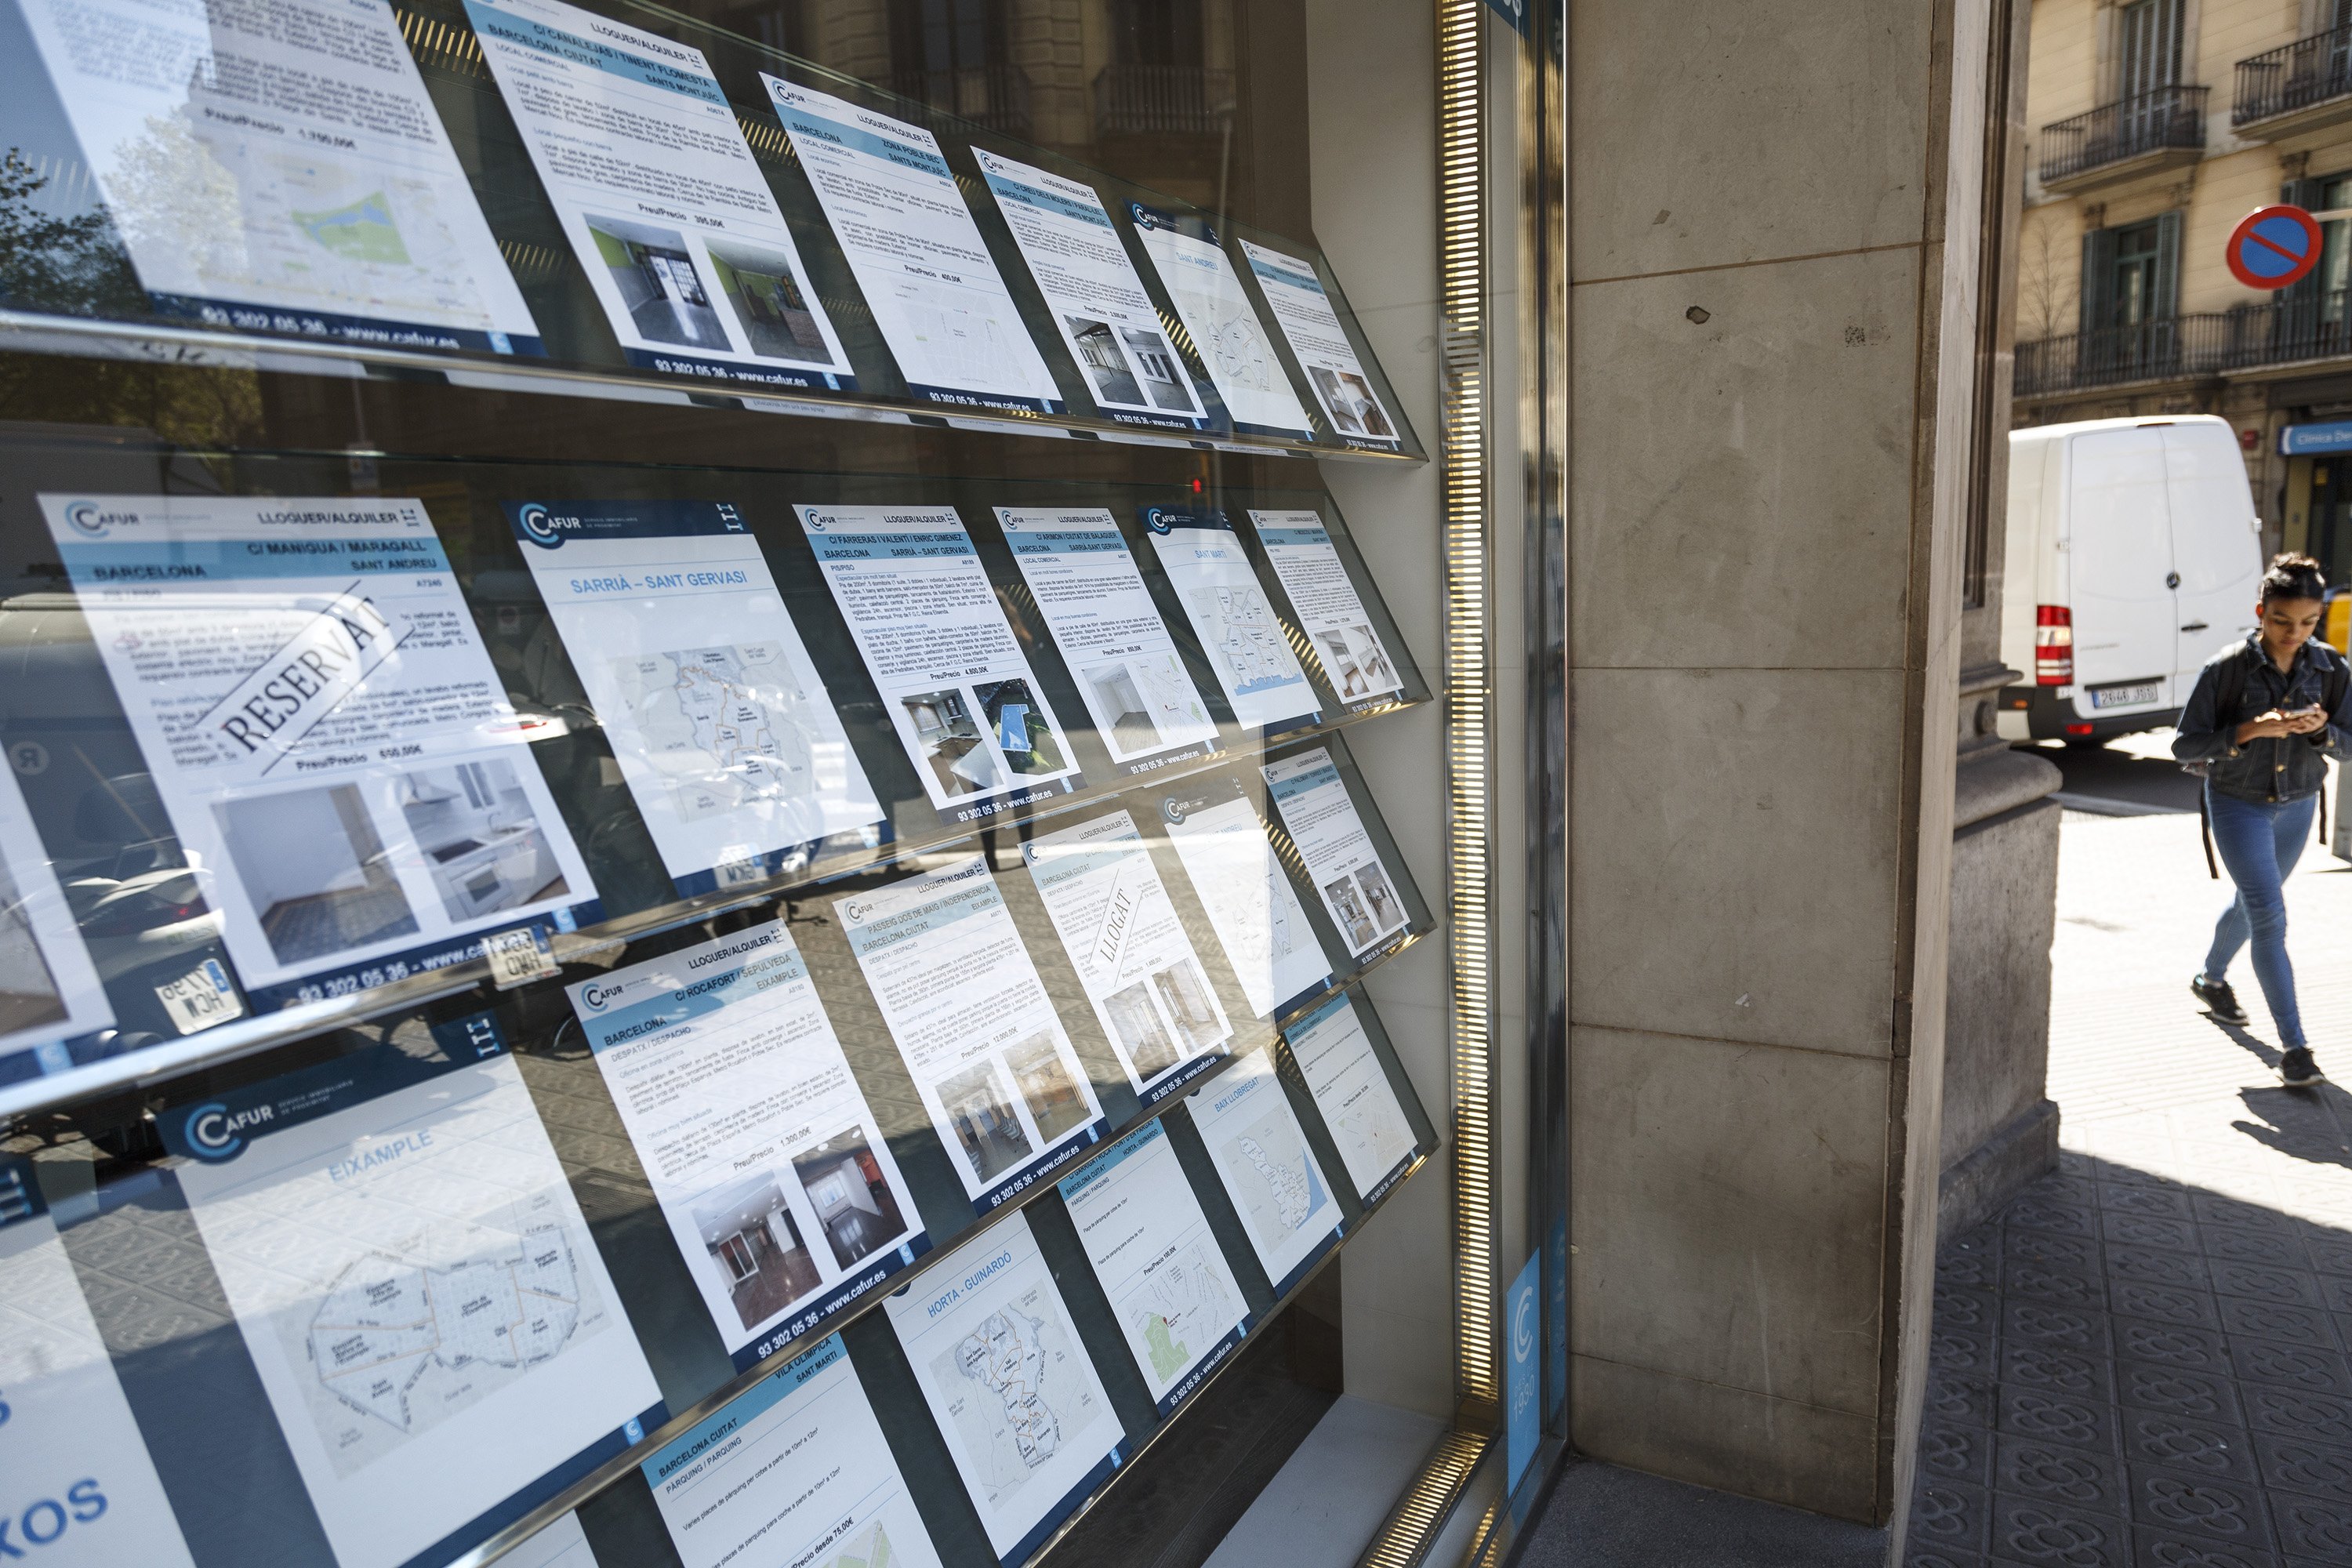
(2273, 246)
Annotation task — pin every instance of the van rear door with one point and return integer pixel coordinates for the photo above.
(2118, 544)
(2215, 549)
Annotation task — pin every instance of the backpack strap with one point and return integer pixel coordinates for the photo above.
(2205, 832)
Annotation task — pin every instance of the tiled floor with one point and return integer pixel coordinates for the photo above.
(2144, 1360)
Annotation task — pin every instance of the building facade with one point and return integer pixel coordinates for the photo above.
(2155, 127)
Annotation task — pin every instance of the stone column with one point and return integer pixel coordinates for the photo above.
(1775, 214)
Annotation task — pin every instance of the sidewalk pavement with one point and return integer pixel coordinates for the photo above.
(2146, 1361)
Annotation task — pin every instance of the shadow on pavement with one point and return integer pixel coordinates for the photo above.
(2104, 774)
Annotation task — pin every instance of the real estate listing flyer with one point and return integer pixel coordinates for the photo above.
(936, 295)
(560, 1544)
(766, 1160)
(793, 1470)
(1100, 304)
(1224, 324)
(279, 168)
(955, 685)
(978, 1032)
(1142, 700)
(1268, 1170)
(1115, 920)
(1299, 549)
(1239, 632)
(1214, 828)
(1311, 327)
(732, 748)
(670, 218)
(338, 756)
(1152, 1251)
(78, 1488)
(1351, 1088)
(1321, 819)
(52, 1002)
(1010, 1384)
(417, 1288)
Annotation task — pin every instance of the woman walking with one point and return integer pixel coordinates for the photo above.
(2264, 715)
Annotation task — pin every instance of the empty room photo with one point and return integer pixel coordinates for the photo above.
(314, 869)
(481, 841)
(853, 1201)
(756, 1246)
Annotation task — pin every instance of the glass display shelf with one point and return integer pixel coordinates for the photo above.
(621, 204)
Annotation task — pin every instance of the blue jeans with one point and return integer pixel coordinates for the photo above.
(2259, 845)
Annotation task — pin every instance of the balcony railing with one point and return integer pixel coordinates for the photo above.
(995, 95)
(2169, 117)
(2274, 331)
(1162, 101)
(2294, 75)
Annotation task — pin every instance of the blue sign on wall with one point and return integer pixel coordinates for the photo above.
(2309, 440)
(1522, 1371)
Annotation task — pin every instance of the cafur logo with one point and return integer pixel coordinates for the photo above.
(216, 1133)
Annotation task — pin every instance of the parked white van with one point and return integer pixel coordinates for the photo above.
(2134, 553)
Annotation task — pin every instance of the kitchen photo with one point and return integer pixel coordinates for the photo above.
(480, 839)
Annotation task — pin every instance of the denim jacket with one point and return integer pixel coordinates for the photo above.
(2275, 767)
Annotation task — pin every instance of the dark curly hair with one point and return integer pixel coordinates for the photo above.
(2293, 575)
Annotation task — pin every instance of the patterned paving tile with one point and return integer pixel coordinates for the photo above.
(2212, 1508)
(2158, 1441)
(2206, 1397)
(2028, 1530)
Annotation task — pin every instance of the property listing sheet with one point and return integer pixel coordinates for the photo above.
(731, 746)
(1321, 819)
(1267, 1168)
(1115, 920)
(1224, 324)
(278, 166)
(1137, 690)
(973, 1022)
(793, 1470)
(1351, 1088)
(78, 1488)
(560, 1544)
(1214, 830)
(1009, 1383)
(1098, 301)
(339, 758)
(52, 1002)
(1152, 1251)
(774, 1175)
(417, 1288)
(936, 294)
(1311, 327)
(672, 221)
(1232, 615)
(1330, 611)
(955, 684)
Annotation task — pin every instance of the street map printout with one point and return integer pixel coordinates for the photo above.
(417, 1288)
(1224, 324)
(731, 744)
(1321, 817)
(957, 688)
(276, 165)
(793, 1470)
(935, 292)
(1099, 305)
(975, 1027)
(1152, 1251)
(1214, 827)
(667, 212)
(1311, 327)
(77, 1487)
(1230, 612)
(1136, 690)
(1299, 549)
(339, 758)
(1351, 1088)
(779, 1189)
(1123, 937)
(1009, 1383)
(1268, 1170)
(51, 1000)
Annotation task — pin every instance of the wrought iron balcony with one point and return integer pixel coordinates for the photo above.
(2168, 119)
(2273, 331)
(1162, 101)
(995, 96)
(2293, 78)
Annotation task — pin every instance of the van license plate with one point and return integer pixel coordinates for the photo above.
(2123, 696)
